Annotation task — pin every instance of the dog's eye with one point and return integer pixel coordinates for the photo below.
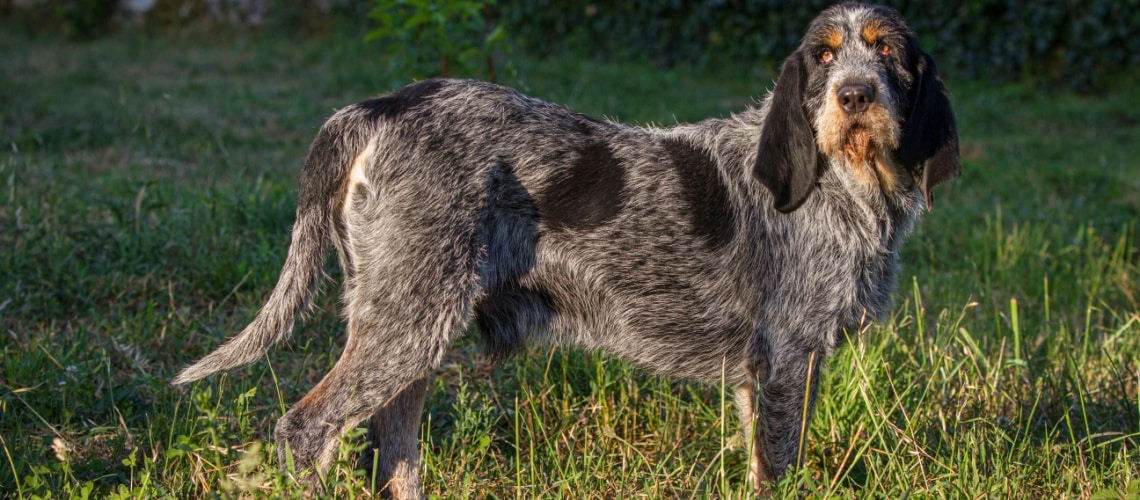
(884, 50)
(826, 56)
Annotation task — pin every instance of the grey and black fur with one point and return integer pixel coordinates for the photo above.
(750, 243)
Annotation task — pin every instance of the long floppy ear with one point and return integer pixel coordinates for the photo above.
(929, 147)
(788, 163)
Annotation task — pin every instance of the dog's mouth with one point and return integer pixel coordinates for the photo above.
(863, 139)
(857, 138)
(859, 144)
(865, 144)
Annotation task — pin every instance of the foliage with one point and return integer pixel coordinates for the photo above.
(86, 18)
(75, 19)
(146, 195)
(1074, 43)
(439, 38)
(1068, 43)
(91, 19)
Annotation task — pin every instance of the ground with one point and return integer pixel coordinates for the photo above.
(148, 190)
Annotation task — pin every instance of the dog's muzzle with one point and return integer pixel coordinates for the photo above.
(856, 99)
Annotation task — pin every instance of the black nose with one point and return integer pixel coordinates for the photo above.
(856, 98)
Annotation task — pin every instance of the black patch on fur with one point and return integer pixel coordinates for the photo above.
(587, 194)
(585, 124)
(703, 189)
(510, 229)
(401, 101)
(505, 316)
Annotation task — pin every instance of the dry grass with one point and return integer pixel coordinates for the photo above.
(147, 191)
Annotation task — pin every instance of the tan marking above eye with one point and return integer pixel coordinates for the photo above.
(833, 39)
(872, 32)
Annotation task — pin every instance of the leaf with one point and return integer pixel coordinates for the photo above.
(1107, 494)
(496, 35)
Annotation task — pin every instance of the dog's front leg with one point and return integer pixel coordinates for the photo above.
(787, 397)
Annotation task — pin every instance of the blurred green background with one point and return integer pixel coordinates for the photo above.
(149, 153)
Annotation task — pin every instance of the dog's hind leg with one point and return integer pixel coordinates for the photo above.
(375, 375)
(393, 344)
(413, 275)
(393, 460)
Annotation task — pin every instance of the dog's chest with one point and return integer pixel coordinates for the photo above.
(834, 264)
(873, 265)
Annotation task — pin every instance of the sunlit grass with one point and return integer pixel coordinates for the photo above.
(146, 193)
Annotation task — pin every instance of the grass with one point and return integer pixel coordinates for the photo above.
(146, 192)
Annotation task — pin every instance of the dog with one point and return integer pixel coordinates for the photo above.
(745, 246)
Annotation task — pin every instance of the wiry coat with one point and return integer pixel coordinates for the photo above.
(744, 246)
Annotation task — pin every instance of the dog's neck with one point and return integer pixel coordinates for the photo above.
(887, 215)
(879, 185)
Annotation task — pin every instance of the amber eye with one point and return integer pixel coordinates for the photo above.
(826, 56)
(884, 50)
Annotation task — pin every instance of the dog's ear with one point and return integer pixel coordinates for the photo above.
(788, 163)
(929, 147)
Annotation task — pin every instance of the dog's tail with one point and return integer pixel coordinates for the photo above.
(322, 185)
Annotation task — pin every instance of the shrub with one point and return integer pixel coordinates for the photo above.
(439, 38)
(1069, 42)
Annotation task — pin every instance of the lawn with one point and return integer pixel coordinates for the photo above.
(147, 188)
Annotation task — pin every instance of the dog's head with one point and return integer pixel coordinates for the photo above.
(861, 94)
